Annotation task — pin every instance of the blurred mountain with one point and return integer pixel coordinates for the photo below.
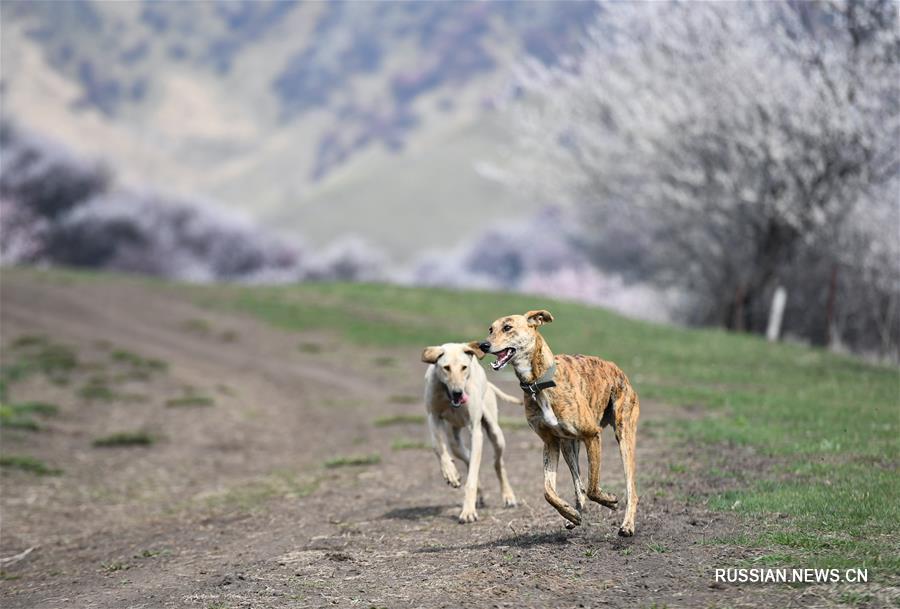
(317, 118)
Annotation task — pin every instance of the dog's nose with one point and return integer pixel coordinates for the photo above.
(456, 395)
(485, 346)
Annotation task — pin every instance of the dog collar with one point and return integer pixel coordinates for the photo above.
(545, 382)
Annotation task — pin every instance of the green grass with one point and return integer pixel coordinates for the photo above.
(353, 460)
(9, 420)
(308, 347)
(404, 399)
(28, 340)
(519, 422)
(153, 553)
(32, 354)
(190, 401)
(407, 444)
(197, 326)
(20, 416)
(137, 362)
(400, 419)
(28, 464)
(42, 408)
(95, 391)
(113, 566)
(251, 495)
(856, 599)
(125, 438)
(831, 420)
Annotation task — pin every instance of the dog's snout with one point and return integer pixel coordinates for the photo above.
(456, 395)
(485, 346)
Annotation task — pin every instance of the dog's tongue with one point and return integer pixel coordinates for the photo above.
(463, 399)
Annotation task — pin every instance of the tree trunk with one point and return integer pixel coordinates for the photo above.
(775, 248)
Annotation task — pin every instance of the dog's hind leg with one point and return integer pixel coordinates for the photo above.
(570, 450)
(626, 434)
(495, 435)
(448, 469)
(594, 493)
(468, 513)
(551, 463)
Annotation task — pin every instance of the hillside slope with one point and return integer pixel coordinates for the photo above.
(224, 445)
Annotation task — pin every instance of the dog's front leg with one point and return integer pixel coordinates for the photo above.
(551, 463)
(438, 442)
(468, 513)
(570, 453)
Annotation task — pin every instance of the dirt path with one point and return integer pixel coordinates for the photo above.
(232, 506)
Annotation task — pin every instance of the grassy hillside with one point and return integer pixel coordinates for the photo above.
(801, 440)
(798, 444)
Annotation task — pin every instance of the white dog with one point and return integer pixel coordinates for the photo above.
(458, 395)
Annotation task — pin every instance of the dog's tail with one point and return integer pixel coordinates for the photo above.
(504, 396)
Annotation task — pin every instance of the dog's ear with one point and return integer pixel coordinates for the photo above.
(472, 349)
(538, 318)
(432, 354)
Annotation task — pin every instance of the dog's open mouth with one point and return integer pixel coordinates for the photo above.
(503, 357)
(457, 398)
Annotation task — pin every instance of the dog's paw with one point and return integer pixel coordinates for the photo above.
(626, 531)
(573, 517)
(451, 476)
(606, 500)
(510, 501)
(467, 516)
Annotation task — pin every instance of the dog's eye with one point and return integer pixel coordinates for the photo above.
(507, 328)
(447, 368)
(465, 367)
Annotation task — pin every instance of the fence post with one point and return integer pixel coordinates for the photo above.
(829, 308)
(776, 313)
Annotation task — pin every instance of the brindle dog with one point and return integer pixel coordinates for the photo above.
(586, 395)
